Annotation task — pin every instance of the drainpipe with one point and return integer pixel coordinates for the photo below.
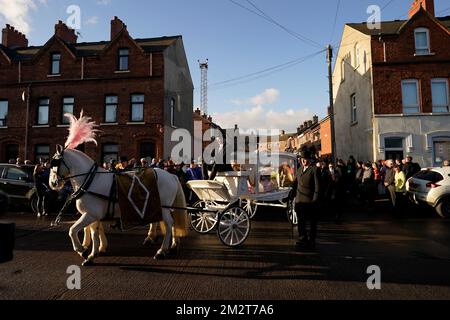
(384, 49)
(27, 122)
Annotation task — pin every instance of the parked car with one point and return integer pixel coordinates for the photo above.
(18, 185)
(432, 186)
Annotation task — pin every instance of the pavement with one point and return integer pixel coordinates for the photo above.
(412, 252)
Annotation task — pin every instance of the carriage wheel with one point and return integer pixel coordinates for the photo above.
(234, 227)
(203, 222)
(291, 213)
(250, 207)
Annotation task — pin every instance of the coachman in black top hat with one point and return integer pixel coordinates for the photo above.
(307, 200)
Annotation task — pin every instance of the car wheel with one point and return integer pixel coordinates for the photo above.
(34, 203)
(443, 208)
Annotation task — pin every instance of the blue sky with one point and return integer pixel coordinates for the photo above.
(235, 41)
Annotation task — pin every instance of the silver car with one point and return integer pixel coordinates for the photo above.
(432, 186)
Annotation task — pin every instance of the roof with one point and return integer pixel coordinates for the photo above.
(86, 49)
(390, 27)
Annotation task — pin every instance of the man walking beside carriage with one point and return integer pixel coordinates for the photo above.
(307, 195)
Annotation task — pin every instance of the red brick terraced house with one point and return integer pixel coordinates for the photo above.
(137, 90)
(392, 89)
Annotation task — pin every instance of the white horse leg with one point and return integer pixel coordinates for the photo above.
(103, 240)
(175, 241)
(95, 241)
(83, 222)
(168, 222)
(87, 238)
(152, 234)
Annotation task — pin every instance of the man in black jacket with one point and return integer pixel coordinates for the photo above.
(410, 168)
(306, 201)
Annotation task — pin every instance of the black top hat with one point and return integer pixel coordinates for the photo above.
(305, 154)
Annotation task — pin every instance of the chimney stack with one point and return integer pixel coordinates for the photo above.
(316, 119)
(66, 34)
(117, 26)
(12, 39)
(427, 5)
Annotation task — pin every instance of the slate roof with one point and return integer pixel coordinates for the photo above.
(390, 27)
(87, 49)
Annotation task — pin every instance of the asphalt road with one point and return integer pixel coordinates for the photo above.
(413, 253)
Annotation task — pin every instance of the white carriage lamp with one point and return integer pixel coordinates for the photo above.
(24, 96)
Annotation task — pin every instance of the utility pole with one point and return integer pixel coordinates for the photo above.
(330, 81)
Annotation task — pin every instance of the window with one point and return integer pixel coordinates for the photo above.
(172, 112)
(342, 70)
(43, 111)
(410, 95)
(110, 151)
(42, 151)
(439, 92)
(422, 40)
(354, 110)
(123, 59)
(16, 174)
(55, 64)
(137, 108)
(365, 61)
(357, 56)
(3, 112)
(68, 105)
(394, 148)
(441, 148)
(111, 109)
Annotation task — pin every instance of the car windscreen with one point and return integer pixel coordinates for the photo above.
(16, 174)
(429, 175)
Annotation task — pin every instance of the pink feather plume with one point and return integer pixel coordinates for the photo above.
(81, 130)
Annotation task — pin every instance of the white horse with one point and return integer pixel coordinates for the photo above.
(73, 165)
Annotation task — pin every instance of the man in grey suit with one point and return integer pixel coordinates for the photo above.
(306, 202)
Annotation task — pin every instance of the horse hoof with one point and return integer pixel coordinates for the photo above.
(173, 251)
(85, 253)
(88, 263)
(159, 256)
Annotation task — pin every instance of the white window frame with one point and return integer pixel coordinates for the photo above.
(357, 56)
(447, 107)
(342, 70)
(416, 107)
(427, 48)
(354, 109)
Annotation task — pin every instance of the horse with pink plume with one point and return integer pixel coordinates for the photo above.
(93, 185)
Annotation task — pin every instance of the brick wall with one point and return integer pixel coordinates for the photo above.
(100, 79)
(403, 64)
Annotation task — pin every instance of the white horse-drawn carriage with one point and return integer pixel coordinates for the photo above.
(229, 202)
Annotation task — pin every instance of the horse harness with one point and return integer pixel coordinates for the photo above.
(84, 189)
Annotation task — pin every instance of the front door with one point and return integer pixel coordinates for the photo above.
(147, 150)
(11, 152)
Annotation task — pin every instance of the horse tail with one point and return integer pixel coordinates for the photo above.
(180, 216)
